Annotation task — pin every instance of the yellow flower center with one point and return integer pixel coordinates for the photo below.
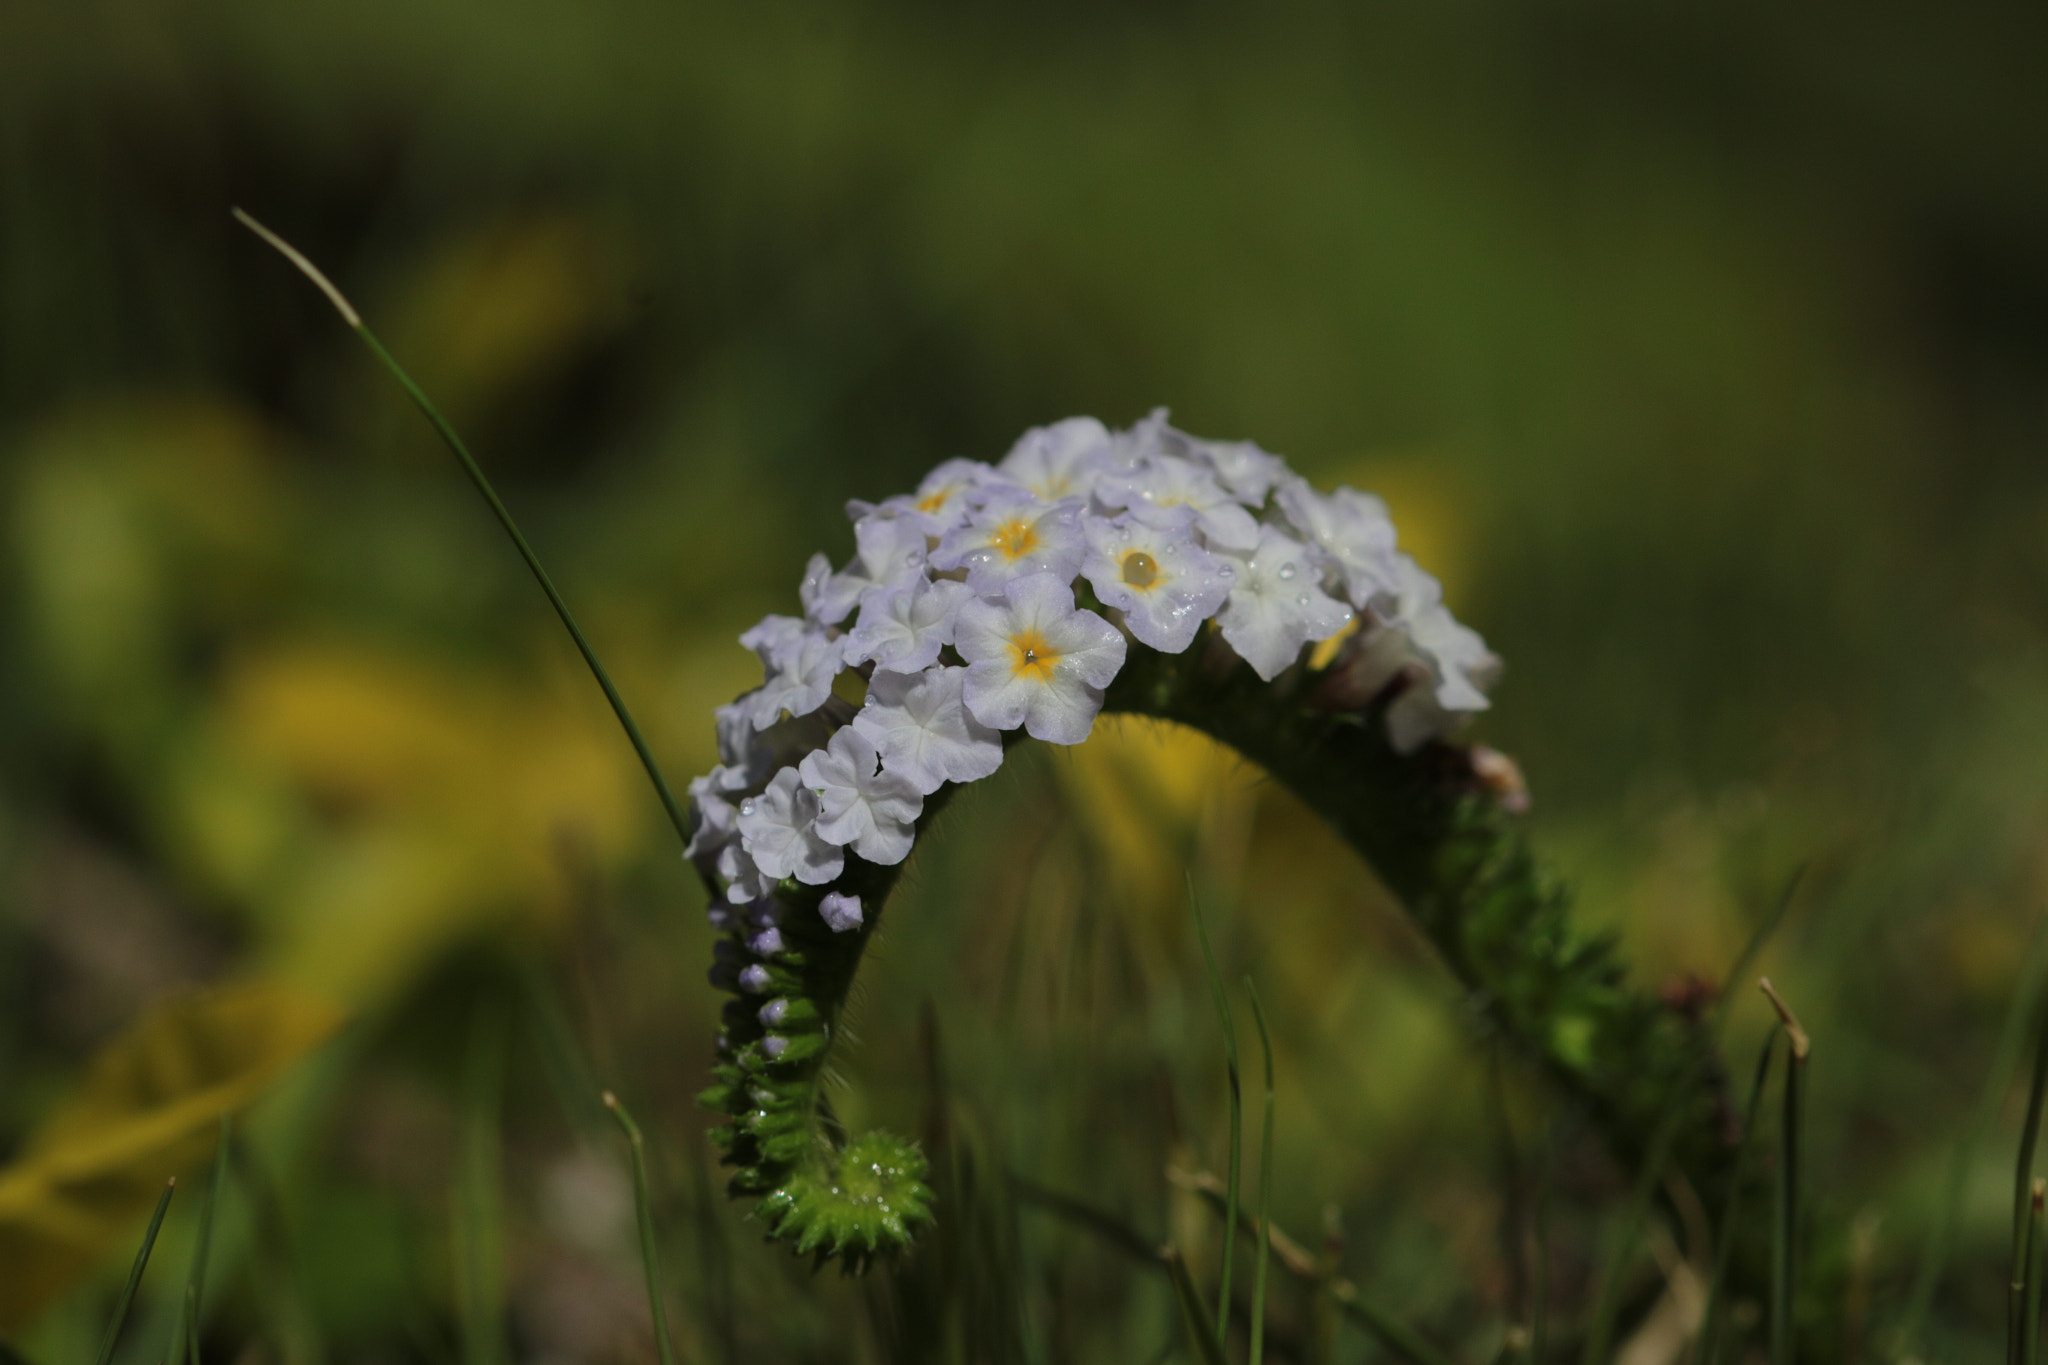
(1015, 538)
(930, 503)
(1032, 656)
(1141, 570)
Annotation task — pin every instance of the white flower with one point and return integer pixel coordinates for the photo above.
(1014, 534)
(799, 680)
(942, 501)
(716, 817)
(1163, 583)
(745, 882)
(890, 553)
(1451, 664)
(1160, 485)
(903, 629)
(1059, 461)
(1351, 529)
(1275, 607)
(1240, 466)
(923, 730)
(859, 802)
(1036, 660)
(841, 912)
(811, 592)
(779, 831)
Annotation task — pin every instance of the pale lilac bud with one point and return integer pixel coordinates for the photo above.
(841, 911)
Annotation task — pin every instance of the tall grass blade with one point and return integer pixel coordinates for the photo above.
(1194, 1316)
(490, 496)
(1539, 1289)
(1391, 1333)
(1395, 1335)
(2030, 1327)
(1785, 1232)
(1755, 945)
(1222, 1002)
(649, 1257)
(195, 1290)
(479, 1208)
(2022, 1196)
(1608, 1305)
(185, 1324)
(1258, 1351)
(1710, 1330)
(127, 1301)
(2011, 1037)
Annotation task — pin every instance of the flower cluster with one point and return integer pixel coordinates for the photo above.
(1004, 597)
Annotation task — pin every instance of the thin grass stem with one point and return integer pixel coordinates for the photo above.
(1258, 1346)
(649, 1257)
(1601, 1330)
(478, 1194)
(490, 496)
(195, 1292)
(127, 1300)
(2011, 1037)
(1754, 946)
(1194, 1316)
(185, 1324)
(1539, 1289)
(2022, 1198)
(1710, 1330)
(2030, 1326)
(1391, 1333)
(1785, 1232)
(1221, 999)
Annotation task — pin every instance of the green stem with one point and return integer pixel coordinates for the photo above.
(1222, 1003)
(1785, 1233)
(490, 496)
(127, 1300)
(1710, 1333)
(2030, 1325)
(2023, 1182)
(649, 1258)
(1258, 1350)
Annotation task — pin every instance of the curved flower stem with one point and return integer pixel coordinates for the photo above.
(1424, 822)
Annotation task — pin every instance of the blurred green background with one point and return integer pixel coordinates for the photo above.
(1701, 349)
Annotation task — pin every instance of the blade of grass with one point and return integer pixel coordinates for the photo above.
(1194, 1316)
(479, 1211)
(1391, 1333)
(2011, 1037)
(2030, 1328)
(649, 1258)
(1221, 1000)
(1608, 1305)
(195, 1291)
(2023, 1184)
(1785, 1234)
(1539, 1289)
(490, 496)
(1710, 1331)
(185, 1323)
(1258, 1351)
(1755, 945)
(127, 1300)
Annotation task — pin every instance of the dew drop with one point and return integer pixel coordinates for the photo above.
(1286, 572)
(747, 806)
(1301, 599)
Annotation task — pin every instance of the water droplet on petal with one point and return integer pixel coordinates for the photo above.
(747, 806)
(1301, 599)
